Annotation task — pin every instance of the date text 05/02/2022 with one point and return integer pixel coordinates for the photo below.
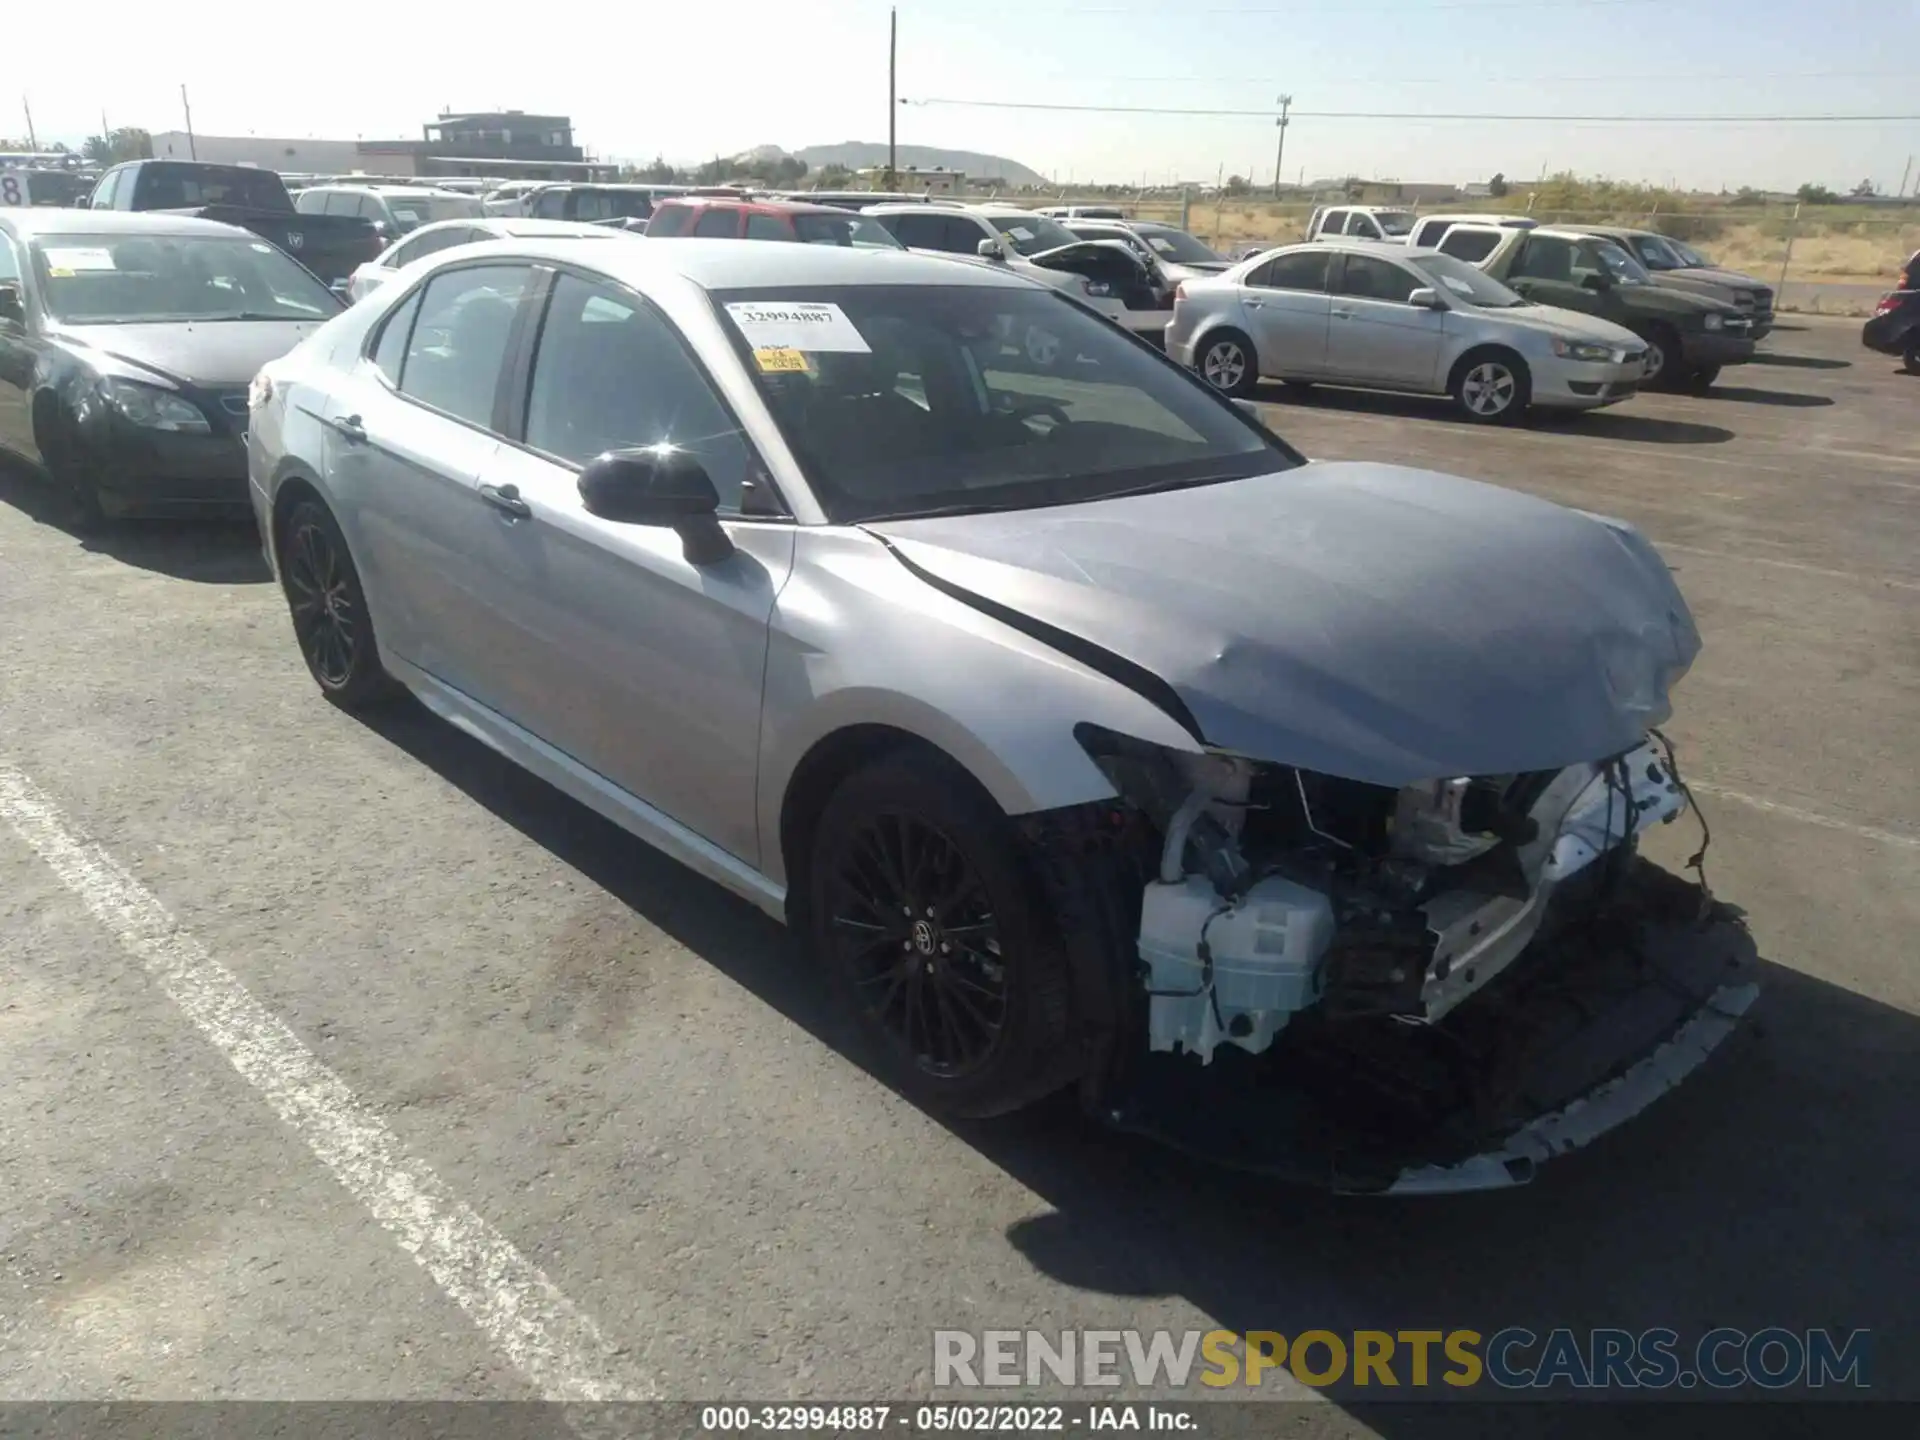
(940, 1416)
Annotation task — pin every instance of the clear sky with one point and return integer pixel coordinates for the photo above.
(693, 80)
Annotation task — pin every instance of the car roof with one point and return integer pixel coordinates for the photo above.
(34, 223)
(513, 225)
(767, 205)
(730, 265)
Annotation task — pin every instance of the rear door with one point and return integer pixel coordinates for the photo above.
(408, 436)
(1286, 307)
(613, 647)
(718, 222)
(1375, 337)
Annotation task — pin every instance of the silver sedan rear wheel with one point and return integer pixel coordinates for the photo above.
(1227, 364)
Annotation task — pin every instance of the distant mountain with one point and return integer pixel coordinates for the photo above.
(859, 154)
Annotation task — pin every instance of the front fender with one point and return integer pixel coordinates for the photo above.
(857, 639)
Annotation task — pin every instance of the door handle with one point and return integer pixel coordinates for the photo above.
(349, 426)
(506, 499)
(1343, 314)
(1253, 304)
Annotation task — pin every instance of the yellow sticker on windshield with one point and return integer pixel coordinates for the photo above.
(59, 274)
(780, 359)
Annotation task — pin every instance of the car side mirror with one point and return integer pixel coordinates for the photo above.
(658, 485)
(1596, 282)
(989, 250)
(11, 306)
(1426, 298)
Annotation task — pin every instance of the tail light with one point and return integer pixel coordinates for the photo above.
(1888, 304)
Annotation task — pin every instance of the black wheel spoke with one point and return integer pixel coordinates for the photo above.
(913, 928)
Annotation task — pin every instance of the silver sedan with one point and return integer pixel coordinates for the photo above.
(1390, 318)
(1085, 733)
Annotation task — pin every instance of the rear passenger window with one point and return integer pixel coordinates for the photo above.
(718, 224)
(551, 205)
(1469, 245)
(1334, 222)
(391, 348)
(1303, 270)
(765, 227)
(669, 220)
(459, 340)
(309, 202)
(610, 374)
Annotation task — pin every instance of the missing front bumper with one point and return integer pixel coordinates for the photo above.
(1626, 993)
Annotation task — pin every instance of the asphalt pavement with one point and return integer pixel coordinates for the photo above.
(342, 1060)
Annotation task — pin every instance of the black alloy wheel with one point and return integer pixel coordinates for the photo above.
(916, 935)
(329, 608)
(922, 901)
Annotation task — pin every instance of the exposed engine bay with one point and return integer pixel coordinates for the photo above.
(1406, 960)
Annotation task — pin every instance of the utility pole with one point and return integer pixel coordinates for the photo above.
(192, 152)
(1898, 194)
(33, 141)
(893, 104)
(1280, 150)
(106, 139)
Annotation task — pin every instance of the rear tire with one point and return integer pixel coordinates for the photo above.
(1664, 364)
(1491, 387)
(936, 940)
(1228, 362)
(331, 622)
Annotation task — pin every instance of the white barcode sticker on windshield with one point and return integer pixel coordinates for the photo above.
(91, 257)
(797, 325)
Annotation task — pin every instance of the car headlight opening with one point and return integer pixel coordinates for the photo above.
(1581, 350)
(1714, 322)
(152, 408)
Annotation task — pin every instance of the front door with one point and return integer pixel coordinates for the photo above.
(407, 439)
(635, 662)
(1375, 337)
(1285, 305)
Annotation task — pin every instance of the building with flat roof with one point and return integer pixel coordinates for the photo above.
(934, 180)
(508, 143)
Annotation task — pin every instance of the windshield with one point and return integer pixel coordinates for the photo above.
(413, 211)
(1178, 246)
(1031, 234)
(861, 231)
(1394, 222)
(1689, 257)
(903, 400)
(1626, 270)
(128, 279)
(1466, 284)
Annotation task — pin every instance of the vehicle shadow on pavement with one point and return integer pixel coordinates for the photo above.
(1791, 399)
(1601, 425)
(1775, 1187)
(1800, 362)
(208, 551)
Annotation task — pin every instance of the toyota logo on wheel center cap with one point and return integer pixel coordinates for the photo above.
(923, 937)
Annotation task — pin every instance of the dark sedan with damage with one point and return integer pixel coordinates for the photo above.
(1894, 328)
(127, 343)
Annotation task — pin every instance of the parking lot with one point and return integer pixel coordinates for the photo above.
(631, 1085)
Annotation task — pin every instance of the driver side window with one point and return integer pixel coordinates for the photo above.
(610, 374)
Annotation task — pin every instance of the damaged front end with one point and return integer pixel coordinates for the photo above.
(1415, 989)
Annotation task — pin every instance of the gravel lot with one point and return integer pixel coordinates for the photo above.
(633, 1081)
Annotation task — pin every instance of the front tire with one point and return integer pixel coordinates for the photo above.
(1701, 379)
(1910, 362)
(331, 622)
(1492, 387)
(936, 939)
(1228, 362)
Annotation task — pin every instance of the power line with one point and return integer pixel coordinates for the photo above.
(1689, 77)
(1344, 9)
(1417, 115)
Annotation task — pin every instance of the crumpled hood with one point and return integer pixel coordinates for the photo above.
(1714, 275)
(217, 353)
(1371, 621)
